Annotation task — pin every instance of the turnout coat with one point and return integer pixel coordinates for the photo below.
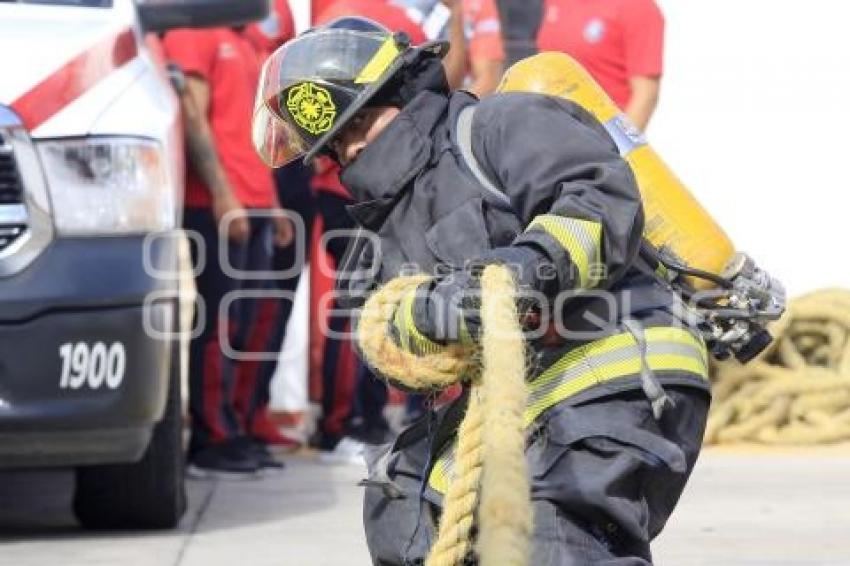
(618, 400)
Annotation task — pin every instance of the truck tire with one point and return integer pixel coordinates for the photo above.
(148, 494)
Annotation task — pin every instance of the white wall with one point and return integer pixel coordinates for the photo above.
(753, 117)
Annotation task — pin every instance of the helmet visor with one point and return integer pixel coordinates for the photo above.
(294, 106)
(277, 141)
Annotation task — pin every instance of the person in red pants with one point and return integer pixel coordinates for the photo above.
(227, 181)
(254, 376)
(265, 336)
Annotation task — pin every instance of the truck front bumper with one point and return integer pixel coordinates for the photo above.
(86, 295)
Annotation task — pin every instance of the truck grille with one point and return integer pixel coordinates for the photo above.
(12, 209)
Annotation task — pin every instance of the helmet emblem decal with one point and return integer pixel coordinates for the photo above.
(312, 107)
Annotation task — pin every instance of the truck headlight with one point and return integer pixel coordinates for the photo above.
(105, 185)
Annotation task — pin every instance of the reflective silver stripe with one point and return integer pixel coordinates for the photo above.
(444, 470)
(626, 135)
(464, 143)
(449, 460)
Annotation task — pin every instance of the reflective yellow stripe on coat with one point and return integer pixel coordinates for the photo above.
(582, 239)
(595, 363)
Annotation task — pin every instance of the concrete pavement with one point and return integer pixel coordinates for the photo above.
(741, 508)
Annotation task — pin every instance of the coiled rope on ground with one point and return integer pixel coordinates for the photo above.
(490, 484)
(798, 390)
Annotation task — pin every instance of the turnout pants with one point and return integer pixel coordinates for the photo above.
(605, 477)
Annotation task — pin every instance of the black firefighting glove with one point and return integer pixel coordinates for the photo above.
(447, 309)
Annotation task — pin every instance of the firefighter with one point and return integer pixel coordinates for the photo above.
(619, 395)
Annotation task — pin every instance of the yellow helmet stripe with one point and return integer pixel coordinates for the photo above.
(379, 62)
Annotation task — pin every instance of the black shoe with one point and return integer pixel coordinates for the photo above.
(259, 451)
(222, 461)
(321, 440)
(374, 433)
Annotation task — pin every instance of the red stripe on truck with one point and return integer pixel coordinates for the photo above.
(74, 78)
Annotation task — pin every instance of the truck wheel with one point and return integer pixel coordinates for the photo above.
(148, 494)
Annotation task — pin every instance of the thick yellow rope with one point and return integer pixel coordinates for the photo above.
(798, 390)
(490, 483)
(429, 372)
(505, 515)
(454, 539)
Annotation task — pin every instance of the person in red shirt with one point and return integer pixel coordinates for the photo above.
(225, 182)
(264, 337)
(270, 33)
(620, 42)
(485, 46)
(381, 11)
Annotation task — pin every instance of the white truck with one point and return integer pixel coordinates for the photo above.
(91, 181)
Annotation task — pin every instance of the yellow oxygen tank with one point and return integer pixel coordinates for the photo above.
(676, 223)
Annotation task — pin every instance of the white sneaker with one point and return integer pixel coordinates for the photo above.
(347, 452)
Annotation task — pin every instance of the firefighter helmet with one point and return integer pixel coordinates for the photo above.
(313, 85)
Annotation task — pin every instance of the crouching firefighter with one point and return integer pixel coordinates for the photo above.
(618, 403)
